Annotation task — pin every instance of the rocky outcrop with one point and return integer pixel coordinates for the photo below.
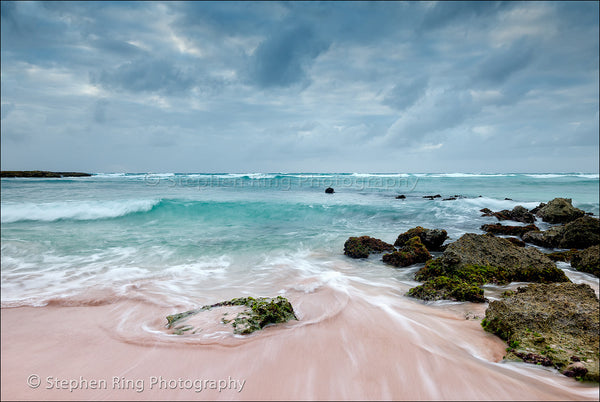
(361, 247)
(559, 210)
(41, 173)
(581, 233)
(329, 190)
(259, 313)
(412, 252)
(474, 260)
(432, 239)
(498, 228)
(518, 214)
(550, 324)
(400, 197)
(587, 260)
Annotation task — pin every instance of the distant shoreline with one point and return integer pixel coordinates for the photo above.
(41, 173)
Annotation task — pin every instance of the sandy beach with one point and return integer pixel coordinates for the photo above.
(408, 351)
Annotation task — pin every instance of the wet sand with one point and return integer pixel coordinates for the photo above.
(356, 348)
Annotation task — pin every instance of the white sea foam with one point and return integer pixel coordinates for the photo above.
(77, 210)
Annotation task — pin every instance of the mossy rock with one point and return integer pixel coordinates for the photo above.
(449, 288)
(361, 247)
(559, 210)
(259, 313)
(564, 256)
(474, 260)
(550, 324)
(432, 239)
(587, 260)
(413, 252)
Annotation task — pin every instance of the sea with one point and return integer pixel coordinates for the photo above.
(178, 241)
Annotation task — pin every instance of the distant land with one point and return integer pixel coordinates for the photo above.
(40, 173)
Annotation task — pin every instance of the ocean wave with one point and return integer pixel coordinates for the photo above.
(459, 175)
(75, 210)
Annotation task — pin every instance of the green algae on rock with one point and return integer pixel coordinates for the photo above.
(580, 233)
(432, 239)
(413, 252)
(559, 210)
(361, 247)
(550, 324)
(474, 260)
(259, 313)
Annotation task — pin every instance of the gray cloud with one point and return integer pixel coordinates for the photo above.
(282, 86)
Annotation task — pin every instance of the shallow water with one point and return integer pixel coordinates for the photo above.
(131, 249)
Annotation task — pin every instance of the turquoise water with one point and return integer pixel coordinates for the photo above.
(197, 237)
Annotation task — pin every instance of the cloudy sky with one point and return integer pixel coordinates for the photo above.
(300, 87)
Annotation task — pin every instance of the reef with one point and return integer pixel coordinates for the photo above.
(259, 313)
(361, 247)
(550, 325)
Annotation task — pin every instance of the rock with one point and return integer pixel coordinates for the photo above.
(431, 197)
(515, 241)
(581, 233)
(559, 210)
(361, 247)
(259, 313)
(587, 260)
(449, 199)
(400, 197)
(432, 239)
(498, 228)
(474, 260)
(551, 324)
(562, 255)
(412, 252)
(518, 214)
(507, 199)
(329, 190)
(41, 173)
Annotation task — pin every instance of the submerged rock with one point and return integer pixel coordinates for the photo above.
(559, 210)
(329, 190)
(550, 324)
(474, 260)
(413, 252)
(432, 239)
(587, 260)
(361, 247)
(499, 228)
(581, 233)
(400, 197)
(259, 313)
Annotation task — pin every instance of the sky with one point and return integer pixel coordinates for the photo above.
(402, 87)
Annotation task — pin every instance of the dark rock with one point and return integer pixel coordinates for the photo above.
(486, 211)
(507, 199)
(562, 255)
(536, 209)
(412, 252)
(400, 197)
(432, 239)
(449, 199)
(559, 210)
(587, 260)
(329, 190)
(41, 173)
(516, 242)
(575, 370)
(474, 260)
(498, 228)
(518, 214)
(431, 197)
(581, 233)
(361, 247)
(259, 313)
(549, 321)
